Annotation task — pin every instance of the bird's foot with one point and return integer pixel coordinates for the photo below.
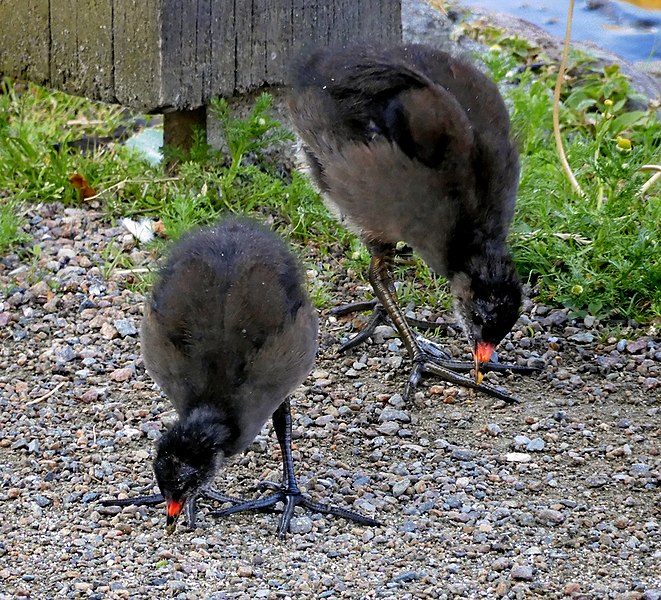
(378, 317)
(442, 358)
(190, 506)
(432, 360)
(291, 497)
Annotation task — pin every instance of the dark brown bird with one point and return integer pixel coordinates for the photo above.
(411, 144)
(228, 334)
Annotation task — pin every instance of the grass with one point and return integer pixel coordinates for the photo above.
(11, 226)
(597, 254)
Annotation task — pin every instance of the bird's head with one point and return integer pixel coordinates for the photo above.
(487, 300)
(187, 459)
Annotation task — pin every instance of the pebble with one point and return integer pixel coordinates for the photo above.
(520, 457)
(400, 487)
(582, 338)
(550, 516)
(121, 375)
(390, 414)
(388, 428)
(125, 327)
(300, 525)
(522, 572)
(535, 445)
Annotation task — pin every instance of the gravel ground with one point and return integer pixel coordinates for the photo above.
(555, 497)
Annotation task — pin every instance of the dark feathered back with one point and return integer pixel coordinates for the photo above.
(410, 144)
(229, 324)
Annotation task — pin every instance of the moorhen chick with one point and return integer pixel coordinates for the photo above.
(411, 144)
(228, 333)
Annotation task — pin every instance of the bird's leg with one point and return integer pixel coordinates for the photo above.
(289, 493)
(424, 361)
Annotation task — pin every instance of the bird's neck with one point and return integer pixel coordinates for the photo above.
(211, 426)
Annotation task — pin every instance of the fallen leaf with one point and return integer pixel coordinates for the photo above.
(85, 190)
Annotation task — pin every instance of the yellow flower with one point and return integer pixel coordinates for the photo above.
(577, 289)
(623, 143)
(608, 102)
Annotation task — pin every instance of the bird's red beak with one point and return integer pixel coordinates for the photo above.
(482, 353)
(173, 510)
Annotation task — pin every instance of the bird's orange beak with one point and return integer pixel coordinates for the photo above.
(482, 354)
(173, 510)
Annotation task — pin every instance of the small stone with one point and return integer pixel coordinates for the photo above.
(108, 331)
(363, 505)
(382, 333)
(388, 428)
(582, 338)
(463, 454)
(121, 375)
(397, 401)
(549, 516)
(536, 445)
(391, 414)
(42, 501)
(596, 481)
(66, 354)
(40, 289)
(500, 564)
(522, 572)
(246, 570)
(640, 469)
(637, 346)
(400, 487)
(521, 440)
(300, 525)
(177, 585)
(494, 429)
(200, 542)
(125, 327)
(572, 588)
(519, 457)
(406, 576)
(555, 318)
(33, 446)
(91, 395)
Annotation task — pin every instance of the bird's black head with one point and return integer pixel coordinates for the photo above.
(187, 459)
(487, 298)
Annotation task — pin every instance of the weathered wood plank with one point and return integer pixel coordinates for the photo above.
(81, 47)
(223, 48)
(164, 55)
(138, 66)
(24, 48)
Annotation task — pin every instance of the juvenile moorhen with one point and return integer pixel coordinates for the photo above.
(412, 144)
(228, 334)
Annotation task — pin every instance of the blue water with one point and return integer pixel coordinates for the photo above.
(627, 30)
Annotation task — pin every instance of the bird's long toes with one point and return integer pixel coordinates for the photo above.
(150, 500)
(268, 485)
